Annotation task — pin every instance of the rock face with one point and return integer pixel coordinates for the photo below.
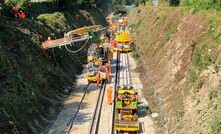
(182, 58)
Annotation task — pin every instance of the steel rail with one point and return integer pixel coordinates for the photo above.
(115, 90)
(123, 77)
(129, 82)
(71, 122)
(122, 69)
(125, 70)
(129, 73)
(94, 125)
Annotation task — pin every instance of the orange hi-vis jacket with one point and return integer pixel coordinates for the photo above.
(109, 92)
(113, 43)
(109, 95)
(21, 15)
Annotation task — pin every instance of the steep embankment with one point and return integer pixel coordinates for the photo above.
(30, 78)
(181, 48)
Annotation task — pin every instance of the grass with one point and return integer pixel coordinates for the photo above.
(205, 55)
(205, 51)
(30, 77)
(193, 75)
(159, 121)
(215, 125)
(210, 124)
(136, 52)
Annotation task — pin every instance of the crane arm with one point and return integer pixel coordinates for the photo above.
(82, 33)
(83, 30)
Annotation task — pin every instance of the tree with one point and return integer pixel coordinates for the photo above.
(174, 2)
(124, 2)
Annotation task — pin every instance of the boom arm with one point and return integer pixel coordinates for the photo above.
(81, 33)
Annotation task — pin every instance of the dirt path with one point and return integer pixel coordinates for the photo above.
(71, 105)
(82, 122)
(147, 124)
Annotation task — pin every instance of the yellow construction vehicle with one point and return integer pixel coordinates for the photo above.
(124, 43)
(126, 117)
(100, 53)
(91, 53)
(104, 54)
(92, 72)
(109, 50)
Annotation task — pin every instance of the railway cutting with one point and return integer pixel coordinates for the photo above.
(109, 100)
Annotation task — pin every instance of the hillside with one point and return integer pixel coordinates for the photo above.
(179, 46)
(32, 81)
(181, 49)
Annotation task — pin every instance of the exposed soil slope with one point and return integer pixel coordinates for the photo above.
(181, 49)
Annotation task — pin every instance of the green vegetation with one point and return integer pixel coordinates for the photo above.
(164, 29)
(192, 75)
(200, 4)
(205, 50)
(215, 125)
(120, 3)
(212, 125)
(136, 52)
(31, 78)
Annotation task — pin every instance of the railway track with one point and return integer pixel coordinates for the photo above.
(115, 89)
(94, 126)
(122, 78)
(97, 111)
(69, 125)
(124, 73)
